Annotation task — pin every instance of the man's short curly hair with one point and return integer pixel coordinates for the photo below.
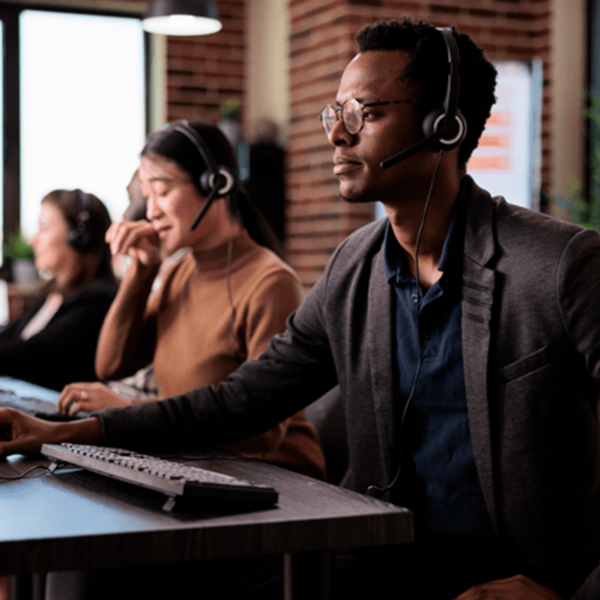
(427, 67)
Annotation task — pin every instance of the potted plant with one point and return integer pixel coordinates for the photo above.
(21, 255)
(230, 123)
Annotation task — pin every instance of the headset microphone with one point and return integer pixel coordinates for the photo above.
(212, 196)
(425, 143)
(444, 120)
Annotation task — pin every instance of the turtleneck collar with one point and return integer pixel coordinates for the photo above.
(213, 263)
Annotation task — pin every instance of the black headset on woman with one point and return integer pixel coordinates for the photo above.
(79, 236)
(217, 181)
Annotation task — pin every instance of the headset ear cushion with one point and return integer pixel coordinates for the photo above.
(432, 122)
(79, 239)
(454, 139)
(229, 181)
(207, 182)
(205, 185)
(431, 118)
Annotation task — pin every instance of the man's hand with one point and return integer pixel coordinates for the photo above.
(89, 397)
(25, 434)
(518, 587)
(137, 238)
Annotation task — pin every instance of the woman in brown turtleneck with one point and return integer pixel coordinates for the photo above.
(216, 307)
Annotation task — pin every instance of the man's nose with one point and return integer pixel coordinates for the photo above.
(339, 136)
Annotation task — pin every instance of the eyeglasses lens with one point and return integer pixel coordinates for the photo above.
(352, 115)
(328, 118)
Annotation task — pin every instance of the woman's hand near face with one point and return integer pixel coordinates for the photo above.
(89, 397)
(136, 238)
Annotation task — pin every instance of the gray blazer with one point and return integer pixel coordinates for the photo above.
(531, 345)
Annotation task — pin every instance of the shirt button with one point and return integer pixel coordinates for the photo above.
(414, 298)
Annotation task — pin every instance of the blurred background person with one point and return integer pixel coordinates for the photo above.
(141, 384)
(266, 183)
(54, 342)
(136, 209)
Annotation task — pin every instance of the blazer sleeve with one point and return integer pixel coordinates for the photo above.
(578, 295)
(590, 590)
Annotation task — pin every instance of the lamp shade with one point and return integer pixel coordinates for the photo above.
(181, 17)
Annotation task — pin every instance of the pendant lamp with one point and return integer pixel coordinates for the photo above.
(181, 17)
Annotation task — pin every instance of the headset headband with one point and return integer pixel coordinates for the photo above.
(183, 126)
(445, 121)
(453, 86)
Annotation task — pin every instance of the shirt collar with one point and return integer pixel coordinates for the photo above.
(394, 261)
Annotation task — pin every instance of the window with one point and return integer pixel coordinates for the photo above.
(508, 159)
(75, 107)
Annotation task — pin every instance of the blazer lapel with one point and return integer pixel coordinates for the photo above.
(478, 295)
(478, 291)
(380, 353)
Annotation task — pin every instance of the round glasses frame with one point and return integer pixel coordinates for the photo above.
(352, 114)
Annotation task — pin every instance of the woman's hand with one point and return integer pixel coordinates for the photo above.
(136, 238)
(89, 397)
(21, 433)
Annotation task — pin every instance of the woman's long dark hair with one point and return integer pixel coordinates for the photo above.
(175, 146)
(95, 261)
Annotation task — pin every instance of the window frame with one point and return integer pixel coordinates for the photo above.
(9, 17)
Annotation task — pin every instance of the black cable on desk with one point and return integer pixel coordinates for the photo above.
(50, 470)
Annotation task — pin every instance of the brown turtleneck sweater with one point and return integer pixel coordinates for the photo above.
(194, 337)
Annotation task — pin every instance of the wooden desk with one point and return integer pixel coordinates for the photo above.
(80, 520)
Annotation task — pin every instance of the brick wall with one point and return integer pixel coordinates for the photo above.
(322, 43)
(204, 72)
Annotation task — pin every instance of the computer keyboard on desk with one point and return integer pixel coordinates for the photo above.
(167, 476)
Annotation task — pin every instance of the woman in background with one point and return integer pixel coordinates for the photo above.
(54, 343)
(216, 307)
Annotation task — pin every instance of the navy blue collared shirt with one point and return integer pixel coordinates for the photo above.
(438, 479)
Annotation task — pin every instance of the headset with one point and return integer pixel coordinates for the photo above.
(217, 181)
(444, 127)
(79, 236)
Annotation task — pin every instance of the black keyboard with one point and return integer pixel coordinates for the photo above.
(167, 476)
(42, 409)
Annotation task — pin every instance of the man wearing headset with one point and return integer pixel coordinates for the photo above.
(470, 398)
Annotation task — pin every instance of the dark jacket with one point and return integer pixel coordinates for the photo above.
(531, 349)
(64, 351)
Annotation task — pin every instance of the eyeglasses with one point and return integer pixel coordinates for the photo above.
(352, 113)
